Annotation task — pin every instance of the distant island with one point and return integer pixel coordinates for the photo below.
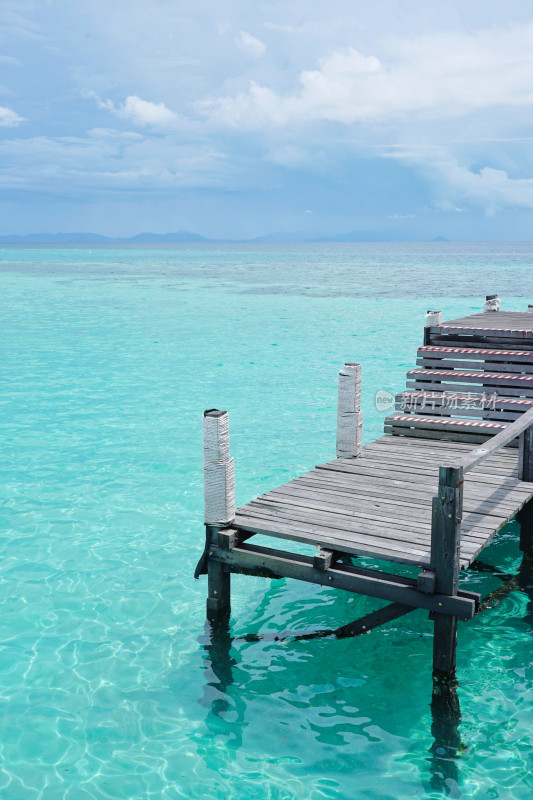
(186, 236)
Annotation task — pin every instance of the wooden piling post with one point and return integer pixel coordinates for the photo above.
(492, 303)
(525, 455)
(433, 319)
(349, 414)
(525, 473)
(445, 544)
(219, 505)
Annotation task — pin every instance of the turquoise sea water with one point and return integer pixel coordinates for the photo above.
(110, 687)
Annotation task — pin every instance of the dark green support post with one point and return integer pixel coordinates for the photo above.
(445, 560)
(525, 473)
(218, 591)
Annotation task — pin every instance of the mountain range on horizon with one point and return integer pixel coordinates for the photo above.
(182, 236)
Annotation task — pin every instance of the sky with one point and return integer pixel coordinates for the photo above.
(412, 119)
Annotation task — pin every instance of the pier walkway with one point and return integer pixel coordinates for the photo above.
(431, 493)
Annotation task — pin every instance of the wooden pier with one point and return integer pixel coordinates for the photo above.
(431, 493)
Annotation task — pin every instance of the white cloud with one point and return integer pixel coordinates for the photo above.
(489, 188)
(107, 159)
(433, 76)
(9, 118)
(280, 28)
(143, 112)
(251, 45)
(140, 112)
(10, 61)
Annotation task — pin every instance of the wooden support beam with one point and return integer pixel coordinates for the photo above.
(269, 563)
(349, 414)
(445, 560)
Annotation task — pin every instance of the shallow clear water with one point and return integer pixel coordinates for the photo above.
(109, 685)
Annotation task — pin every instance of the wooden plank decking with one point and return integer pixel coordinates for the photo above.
(379, 504)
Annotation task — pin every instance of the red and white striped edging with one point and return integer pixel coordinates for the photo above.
(442, 395)
(475, 350)
(447, 421)
(507, 376)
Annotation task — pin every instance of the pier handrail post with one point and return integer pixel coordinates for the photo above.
(433, 318)
(349, 414)
(447, 512)
(525, 455)
(219, 505)
(517, 429)
(492, 303)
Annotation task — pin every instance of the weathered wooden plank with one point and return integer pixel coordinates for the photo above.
(511, 383)
(410, 507)
(411, 499)
(475, 494)
(476, 529)
(476, 353)
(395, 472)
(425, 464)
(418, 408)
(460, 401)
(500, 462)
(323, 480)
(513, 367)
(406, 537)
(415, 447)
(331, 537)
(477, 340)
(412, 496)
(426, 422)
(436, 434)
(489, 330)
